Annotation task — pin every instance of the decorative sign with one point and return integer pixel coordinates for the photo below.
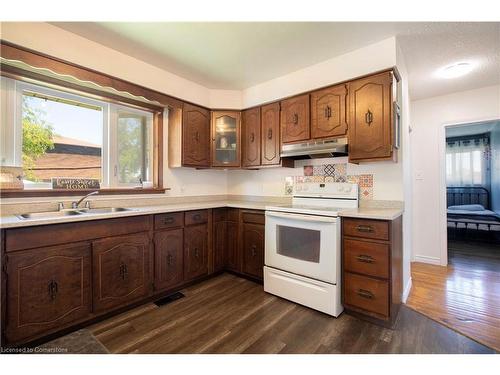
(69, 183)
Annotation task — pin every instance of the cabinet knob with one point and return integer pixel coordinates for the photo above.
(252, 137)
(197, 136)
(196, 254)
(169, 259)
(254, 250)
(123, 271)
(197, 217)
(295, 118)
(270, 134)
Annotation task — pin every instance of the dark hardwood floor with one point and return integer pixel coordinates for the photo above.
(228, 314)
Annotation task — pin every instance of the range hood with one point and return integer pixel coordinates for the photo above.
(322, 148)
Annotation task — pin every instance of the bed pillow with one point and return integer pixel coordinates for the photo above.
(467, 207)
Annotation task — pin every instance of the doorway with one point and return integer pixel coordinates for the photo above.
(472, 175)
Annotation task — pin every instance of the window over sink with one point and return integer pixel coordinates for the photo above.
(53, 133)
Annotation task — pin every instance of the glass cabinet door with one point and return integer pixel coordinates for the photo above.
(226, 139)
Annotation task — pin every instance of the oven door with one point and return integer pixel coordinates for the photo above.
(306, 245)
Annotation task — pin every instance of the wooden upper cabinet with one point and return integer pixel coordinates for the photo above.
(370, 118)
(295, 119)
(226, 148)
(47, 289)
(169, 258)
(195, 136)
(329, 112)
(250, 125)
(271, 147)
(122, 270)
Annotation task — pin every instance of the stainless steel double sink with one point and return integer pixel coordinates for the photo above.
(71, 212)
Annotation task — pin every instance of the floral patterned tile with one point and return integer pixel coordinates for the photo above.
(365, 193)
(299, 179)
(319, 170)
(329, 179)
(353, 179)
(308, 179)
(365, 180)
(308, 170)
(318, 179)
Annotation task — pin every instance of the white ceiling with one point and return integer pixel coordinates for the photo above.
(235, 56)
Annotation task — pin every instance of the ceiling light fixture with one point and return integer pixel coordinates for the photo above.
(455, 70)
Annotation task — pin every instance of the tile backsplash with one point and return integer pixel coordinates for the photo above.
(332, 173)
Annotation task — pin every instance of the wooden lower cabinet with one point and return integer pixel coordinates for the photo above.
(232, 249)
(372, 268)
(253, 249)
(168, 258)
(49, 288)
(219, 239)
(122, 270)
(195, 251)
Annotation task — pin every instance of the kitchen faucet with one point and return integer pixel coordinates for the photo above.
(74, 205)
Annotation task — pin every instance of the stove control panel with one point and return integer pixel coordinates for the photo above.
(326, 189)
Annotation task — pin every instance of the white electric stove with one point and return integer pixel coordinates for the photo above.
(302, 254)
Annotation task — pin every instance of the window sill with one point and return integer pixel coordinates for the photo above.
(61, 192)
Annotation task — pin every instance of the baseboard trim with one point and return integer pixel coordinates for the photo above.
(407, 290)
(427, 259)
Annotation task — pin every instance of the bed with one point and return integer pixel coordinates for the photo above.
(470, 206)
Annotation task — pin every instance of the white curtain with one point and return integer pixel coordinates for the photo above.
(468, 161)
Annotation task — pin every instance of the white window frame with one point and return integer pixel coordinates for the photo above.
(114, 112)
(20, 87)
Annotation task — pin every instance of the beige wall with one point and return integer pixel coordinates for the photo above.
(428, 119)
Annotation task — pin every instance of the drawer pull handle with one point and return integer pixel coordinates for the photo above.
(196, 252)
(254, 250)
(270, 134)
(365, 294)
(53, 288)
(365, 259)
(169, 259)
(252, 137)
(197, 217)
(364, 228)
(295, 118)
(168, 220)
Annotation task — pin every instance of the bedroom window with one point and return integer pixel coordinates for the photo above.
(52, 133)
(468, 161)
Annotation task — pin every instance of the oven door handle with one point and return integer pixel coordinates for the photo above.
(310, 218)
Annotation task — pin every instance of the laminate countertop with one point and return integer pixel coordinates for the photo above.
(372, 213)
(12, 221)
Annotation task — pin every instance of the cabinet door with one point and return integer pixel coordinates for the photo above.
(295, 119)
(329, 112)
(370, 118)
(169, 255)
(226, 151)
(122, 270)
(47, 289)
(195, 251)
(253, 249)
(219, 241)
(195, 136)
(232, 250)
(250, 123)
(271, 147)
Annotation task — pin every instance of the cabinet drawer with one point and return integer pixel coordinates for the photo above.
(368, 258)
(376, 229)
(254, 218)
(366, 293)
(170, 220)
(196, 217)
